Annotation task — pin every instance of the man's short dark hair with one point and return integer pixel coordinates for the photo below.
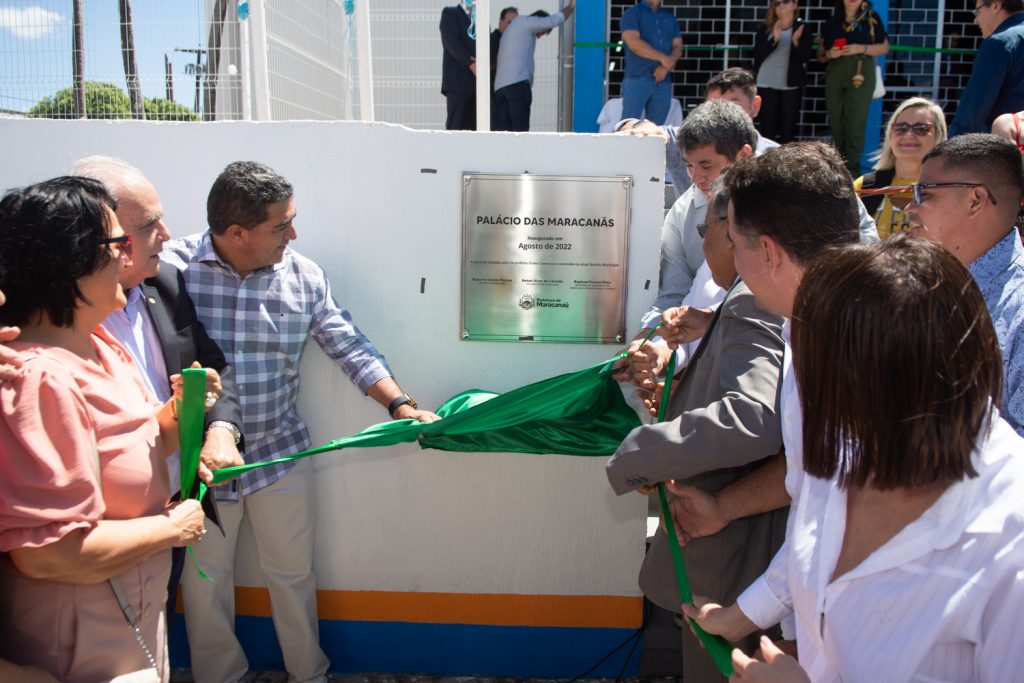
(719, 206)
(985, 158)
(540, 13)
(1009, 6)
(719, 123)
(733, 77)
(50, 237)
(897, 362)
(800, 195)
(241, 193)
(505, 12)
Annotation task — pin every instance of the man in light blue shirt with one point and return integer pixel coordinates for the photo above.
(513, 82)
(653, 46)
(967, 198)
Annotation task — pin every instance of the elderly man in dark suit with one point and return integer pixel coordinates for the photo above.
(458, 67)
(159, 328)
(722, 421)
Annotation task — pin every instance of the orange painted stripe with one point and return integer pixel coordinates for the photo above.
(488, 609)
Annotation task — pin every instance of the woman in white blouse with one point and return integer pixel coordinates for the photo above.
(906, 561)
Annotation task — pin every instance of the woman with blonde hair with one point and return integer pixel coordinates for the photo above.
(915, 127)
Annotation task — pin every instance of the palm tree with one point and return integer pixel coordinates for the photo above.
(78, 59)
(131, 71)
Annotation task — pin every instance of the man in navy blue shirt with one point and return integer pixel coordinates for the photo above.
(653, 46)
(997, 82)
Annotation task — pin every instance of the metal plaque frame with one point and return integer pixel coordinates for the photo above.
(544, 257)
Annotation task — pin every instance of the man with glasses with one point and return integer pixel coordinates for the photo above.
(159, 327)
(722, 421)
(967, 199)
(996, 85)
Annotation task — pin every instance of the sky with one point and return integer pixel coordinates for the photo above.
(35, 47)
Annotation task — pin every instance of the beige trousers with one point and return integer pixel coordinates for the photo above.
(281, 517)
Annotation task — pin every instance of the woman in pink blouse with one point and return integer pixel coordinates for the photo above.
(83, 485)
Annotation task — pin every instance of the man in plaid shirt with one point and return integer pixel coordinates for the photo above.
(259, 300)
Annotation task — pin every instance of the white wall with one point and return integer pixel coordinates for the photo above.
(399, 518)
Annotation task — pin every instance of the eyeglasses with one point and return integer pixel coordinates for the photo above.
(919, 129)
(928, 186)
(977, 8)
(702, 228)
(122, 244)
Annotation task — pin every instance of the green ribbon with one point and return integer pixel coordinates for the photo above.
(191, 419)
(720, 47)
(579, 413)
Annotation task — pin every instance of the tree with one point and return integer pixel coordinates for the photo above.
(159, 109)
(107, 101)
(102, 101)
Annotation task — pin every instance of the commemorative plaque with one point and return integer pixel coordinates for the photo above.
(544, 258)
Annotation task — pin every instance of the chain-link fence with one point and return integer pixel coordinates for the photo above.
(199, 60)
(102, 59)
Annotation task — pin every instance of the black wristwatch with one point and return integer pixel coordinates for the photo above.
(401, 400)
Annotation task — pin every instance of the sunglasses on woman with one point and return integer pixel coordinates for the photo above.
(919, 129)
(122, 244)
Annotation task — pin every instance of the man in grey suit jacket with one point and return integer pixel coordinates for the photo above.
(722, 421)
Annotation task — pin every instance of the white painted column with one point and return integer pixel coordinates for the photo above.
(366, 111)
(245, 63)
(483, 65)
(260, 63)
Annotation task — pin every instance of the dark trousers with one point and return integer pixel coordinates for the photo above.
(177, 566)
(461, 111)
(512, 106)
(780, 113)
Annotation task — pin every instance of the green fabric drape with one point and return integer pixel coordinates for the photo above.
(579, 413)
(191, 418)
(191, 422)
